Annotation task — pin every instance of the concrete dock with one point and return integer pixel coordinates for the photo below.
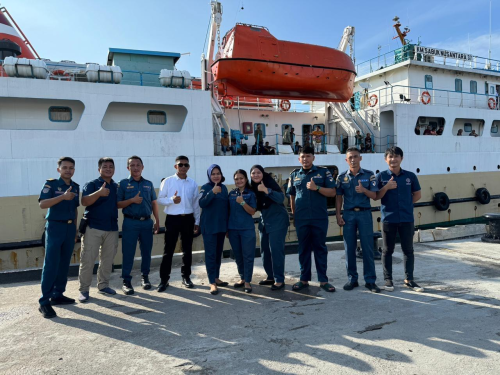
(451, 328)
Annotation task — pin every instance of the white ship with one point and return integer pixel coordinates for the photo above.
(86, 111)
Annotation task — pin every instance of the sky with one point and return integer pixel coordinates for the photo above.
(84, 30)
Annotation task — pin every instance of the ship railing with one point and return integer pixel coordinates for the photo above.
(397, 56)
(412, 95)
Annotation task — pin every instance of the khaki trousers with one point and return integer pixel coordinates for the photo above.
(102, 244)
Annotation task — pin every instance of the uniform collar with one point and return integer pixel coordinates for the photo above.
(61, 182)
(361, 171)
(130, 179)
(178, 178)
(102, 180)
(313, 168)
(402, 171)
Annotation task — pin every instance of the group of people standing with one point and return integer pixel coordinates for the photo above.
(219, 213)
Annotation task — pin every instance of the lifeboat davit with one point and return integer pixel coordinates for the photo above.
(252, 62)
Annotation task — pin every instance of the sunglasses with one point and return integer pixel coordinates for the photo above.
(183, 165)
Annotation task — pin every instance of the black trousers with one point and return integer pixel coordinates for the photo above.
(175, 225)
(389, 233)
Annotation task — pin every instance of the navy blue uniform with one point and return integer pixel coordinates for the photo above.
(311, 218)
(358, 217)
(241, 231)
(273, 227)
(137, 224)
(397, 217)
(213, 224)
(103, 214)
(60, 233)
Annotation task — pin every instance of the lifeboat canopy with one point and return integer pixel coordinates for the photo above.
(252, 62)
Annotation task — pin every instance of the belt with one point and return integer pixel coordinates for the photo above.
(140, 218)
(357, 209)
(62, 221)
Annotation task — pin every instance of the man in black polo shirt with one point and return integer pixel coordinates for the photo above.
(399, 190)
(100, 198)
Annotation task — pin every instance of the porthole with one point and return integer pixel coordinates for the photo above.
(418, 170)
(474, 168)
(157, 118)
(60, 114)
(448, 169)
(378, 220)
(377, 171)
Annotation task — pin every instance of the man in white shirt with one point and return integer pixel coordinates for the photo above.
(179, 195)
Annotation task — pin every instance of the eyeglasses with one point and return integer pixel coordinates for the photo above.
(183, 165)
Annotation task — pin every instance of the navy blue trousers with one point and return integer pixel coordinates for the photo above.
(243, 245)
(59, 246)
(214, 245)
(133, 231)
(361, 222)
(272, 251)
(312, 237)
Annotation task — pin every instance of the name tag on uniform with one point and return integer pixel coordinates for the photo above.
(130, 187)
(146, 187)
(408, 181)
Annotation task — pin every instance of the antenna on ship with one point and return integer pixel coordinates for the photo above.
(401, 34)
(488, 63)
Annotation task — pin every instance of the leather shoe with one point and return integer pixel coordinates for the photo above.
(372, 287)
(266, 282)
(61, 300)
(351, 285)
(146, 285)
(47, 311)
(162, 287)
(186, 281)
(275, 287)
(127, 288)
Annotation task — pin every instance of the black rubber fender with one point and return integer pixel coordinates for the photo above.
(483, 196)
(441, 201)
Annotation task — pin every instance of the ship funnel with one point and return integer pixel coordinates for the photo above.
(15, 35)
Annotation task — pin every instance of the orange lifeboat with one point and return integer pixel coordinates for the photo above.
(253, 62)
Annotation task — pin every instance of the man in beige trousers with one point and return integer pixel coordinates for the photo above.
(101, 235)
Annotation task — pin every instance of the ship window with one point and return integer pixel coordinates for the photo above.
(428, 82)
(473, 87)
(467, 127)
(458, 85)
(262, 127)
(486, 88)
(429, 126)
(60, 114)
(494, 129)
(157, 118)
(492, 90)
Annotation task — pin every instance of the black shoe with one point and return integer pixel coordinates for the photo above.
(239, 285)
(413, 286)
(146, 285)
(186, 281)
(162, 286)
(389, 286)
(222, 284)
(266, 282)
(214, 292)
(373, 287)
(274, 287)
(61, 300)
(127, 288)
(351, 285)
(248, 290)
(47, 311)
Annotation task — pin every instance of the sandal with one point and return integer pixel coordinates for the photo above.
(328, 288)
(299, 286)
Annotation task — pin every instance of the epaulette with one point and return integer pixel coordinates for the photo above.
(51, 179)
(295, 170)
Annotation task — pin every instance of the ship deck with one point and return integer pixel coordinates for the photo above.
(450, 328)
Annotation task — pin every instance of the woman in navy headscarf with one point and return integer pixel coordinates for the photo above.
(214, 202)
(273, 226)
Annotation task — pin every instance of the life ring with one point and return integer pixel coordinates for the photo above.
(372, 102)
(483, 196)
(285, 105)
(425, 98)
(492, 103)
(441, 201)
(228, 102)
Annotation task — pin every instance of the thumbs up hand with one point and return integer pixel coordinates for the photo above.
(137, 199)
(239, 198)
(68, 195)
(103, 191)
(392, 184)
(216, 189)
(311, 185)
(360, 189)
(262, 187)
(176, 199)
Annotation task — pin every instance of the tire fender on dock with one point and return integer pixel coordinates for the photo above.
(441, 201)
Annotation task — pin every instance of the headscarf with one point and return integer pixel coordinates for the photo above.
(263, 201)
(209, 174)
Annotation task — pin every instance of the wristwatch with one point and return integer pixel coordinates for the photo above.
(242, 203)
(318, 187)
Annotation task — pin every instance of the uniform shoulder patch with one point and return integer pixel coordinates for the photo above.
(373, 177)
(295, 170)
(51, 179)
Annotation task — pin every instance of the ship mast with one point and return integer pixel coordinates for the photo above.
(401, 34)
(207, 61)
